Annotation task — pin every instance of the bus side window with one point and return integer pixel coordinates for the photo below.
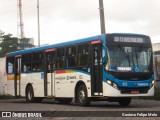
(26, 62)
(83, 54)
(60, 60)
(37, 61)
(10, 65)
(71, 55)
(79, 55)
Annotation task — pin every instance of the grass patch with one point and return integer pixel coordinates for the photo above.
(6, 96)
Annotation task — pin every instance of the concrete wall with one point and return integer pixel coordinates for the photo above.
(3, 78)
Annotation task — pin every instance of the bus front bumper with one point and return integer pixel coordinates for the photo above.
(109, 91)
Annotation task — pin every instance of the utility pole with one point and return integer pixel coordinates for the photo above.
(38, 22)
(102, 19)
(20, 27)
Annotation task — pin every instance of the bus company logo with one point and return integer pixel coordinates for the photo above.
(71, 77)
(81, 77)
(60, 78)
(142, 84)
(124, 84)
(135, 84)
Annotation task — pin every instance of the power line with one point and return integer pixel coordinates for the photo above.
(28, 6)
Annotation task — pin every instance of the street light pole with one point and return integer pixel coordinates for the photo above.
(102, 19)
(38, 22)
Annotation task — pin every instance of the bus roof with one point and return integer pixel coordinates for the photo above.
(41, 48)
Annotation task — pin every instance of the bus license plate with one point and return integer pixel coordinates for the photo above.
(134, 91)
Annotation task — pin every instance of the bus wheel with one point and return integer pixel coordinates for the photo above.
(82, 97)
(125, 101)
(29, 94)
(64, 100)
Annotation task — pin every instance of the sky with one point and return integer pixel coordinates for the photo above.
(65, 20)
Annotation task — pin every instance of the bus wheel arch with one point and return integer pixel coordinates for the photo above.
(81, 92)
(30, 97)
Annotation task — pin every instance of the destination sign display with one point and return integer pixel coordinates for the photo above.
(129, 39)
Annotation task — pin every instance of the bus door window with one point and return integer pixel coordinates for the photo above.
(96, 68)
(51, 61)
(17, 74)
(18, 65)
(97, 56)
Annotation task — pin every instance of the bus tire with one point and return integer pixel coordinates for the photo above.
(125, 101)
(82, 96)
(29, 94)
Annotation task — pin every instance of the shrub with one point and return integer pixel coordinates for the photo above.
(4, 96)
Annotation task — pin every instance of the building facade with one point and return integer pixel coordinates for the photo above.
(156, 46)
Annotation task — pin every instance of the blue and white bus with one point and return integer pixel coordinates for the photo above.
(112, 67)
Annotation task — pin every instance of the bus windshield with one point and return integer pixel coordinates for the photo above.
(128, 58)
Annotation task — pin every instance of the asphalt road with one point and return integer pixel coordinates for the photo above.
(138, 109)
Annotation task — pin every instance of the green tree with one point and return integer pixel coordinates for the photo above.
(24, 43)
(1, 33)
(8, 44)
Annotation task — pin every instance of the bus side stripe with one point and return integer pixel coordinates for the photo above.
(70, 71)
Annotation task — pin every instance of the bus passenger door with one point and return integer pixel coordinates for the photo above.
(96, 68)
(49, 82)
(17, 75)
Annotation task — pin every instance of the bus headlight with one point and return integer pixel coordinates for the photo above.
(152, 84)
(109, 82)
(112, 84)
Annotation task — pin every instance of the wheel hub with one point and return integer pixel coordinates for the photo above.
(81, 96)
